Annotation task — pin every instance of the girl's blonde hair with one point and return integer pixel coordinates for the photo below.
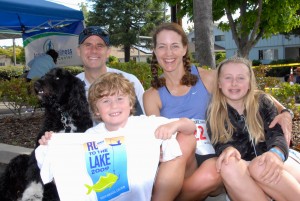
(110, 84)
(218, 119)
(188, 78)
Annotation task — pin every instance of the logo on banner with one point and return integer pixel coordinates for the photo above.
(48, 44)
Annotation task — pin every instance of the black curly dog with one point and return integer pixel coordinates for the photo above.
(66, 110)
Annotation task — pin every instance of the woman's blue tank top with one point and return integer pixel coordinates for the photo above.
(192, 105)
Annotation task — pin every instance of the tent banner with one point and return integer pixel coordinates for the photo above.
(64, 40)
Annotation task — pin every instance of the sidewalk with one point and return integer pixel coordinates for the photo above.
(8, 152)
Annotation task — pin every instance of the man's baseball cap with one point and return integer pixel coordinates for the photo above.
(93, 30)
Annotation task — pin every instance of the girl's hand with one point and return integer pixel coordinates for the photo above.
(45, 138)
(225, 155)
(273, 167)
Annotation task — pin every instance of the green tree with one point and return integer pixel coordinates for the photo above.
(84, 9)
(19, 50)
(256, 19)
(5, 51)
(126, 20)
(20, 55)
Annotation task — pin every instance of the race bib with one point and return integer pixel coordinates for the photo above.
(204, 146)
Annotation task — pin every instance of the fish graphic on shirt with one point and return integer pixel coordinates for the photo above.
(103, 183)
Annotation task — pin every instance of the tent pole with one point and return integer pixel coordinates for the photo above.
(14, 51)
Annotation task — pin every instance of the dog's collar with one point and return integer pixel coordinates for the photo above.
(66, 121)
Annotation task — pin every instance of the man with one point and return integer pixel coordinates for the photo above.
(297, 81)
(94, 50)
(40, 65)
(297, 71)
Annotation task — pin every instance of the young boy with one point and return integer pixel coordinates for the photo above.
(121, 154)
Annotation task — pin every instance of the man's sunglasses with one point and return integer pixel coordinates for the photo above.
(101, 32)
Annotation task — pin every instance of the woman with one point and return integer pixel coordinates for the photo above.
(184, 91)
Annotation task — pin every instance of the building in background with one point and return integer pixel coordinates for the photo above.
(219, 38)
(138, 54)
(5, 60)
(276, 47)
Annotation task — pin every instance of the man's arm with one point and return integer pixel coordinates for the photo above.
(284, 119)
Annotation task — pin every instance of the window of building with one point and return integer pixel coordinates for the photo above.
(2, 63)
(268, 54)
(219, 38)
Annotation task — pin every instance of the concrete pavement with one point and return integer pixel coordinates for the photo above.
(8, 152)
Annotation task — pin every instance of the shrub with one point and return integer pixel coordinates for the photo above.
(261, 79)
(17, 94)
(282, 91)
(286, 95)
(140, 69)
(8, 72)
(113, 59)
(74, 69)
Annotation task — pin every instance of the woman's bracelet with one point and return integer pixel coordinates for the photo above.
(279, 153)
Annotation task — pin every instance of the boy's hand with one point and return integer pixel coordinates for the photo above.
(166, 131)
(45, 138)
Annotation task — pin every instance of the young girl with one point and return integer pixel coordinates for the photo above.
(123, 165)
(251, 155)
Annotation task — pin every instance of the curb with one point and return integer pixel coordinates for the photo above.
(8, 152)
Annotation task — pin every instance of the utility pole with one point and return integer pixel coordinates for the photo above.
(14, 51)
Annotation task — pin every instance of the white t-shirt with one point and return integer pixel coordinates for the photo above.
(139, 89)
(103, 165)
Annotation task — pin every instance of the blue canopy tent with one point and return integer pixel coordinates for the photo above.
(19, 17)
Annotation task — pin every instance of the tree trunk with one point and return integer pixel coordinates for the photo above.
(127, 53)
(174, 10)
(245, 41)
(203, 24)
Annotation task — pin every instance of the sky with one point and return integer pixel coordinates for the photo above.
(72, 4)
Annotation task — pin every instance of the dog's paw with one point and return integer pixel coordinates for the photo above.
(33, 192)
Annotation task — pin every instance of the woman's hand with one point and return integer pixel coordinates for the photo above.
(45, 138)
